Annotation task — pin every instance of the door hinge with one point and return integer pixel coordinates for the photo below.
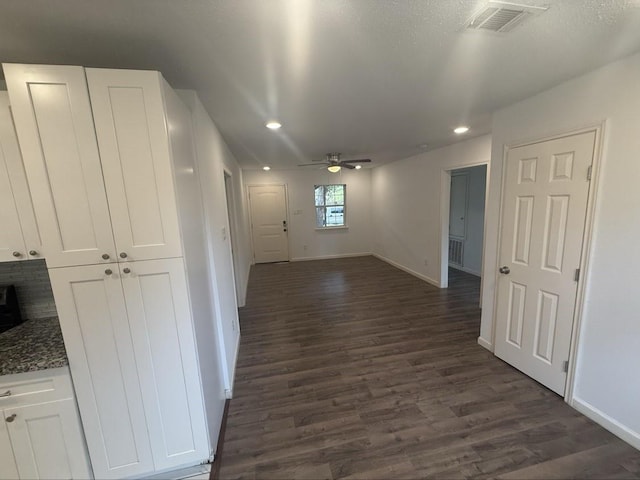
(576, 276)
(565, 366)
(589, 170)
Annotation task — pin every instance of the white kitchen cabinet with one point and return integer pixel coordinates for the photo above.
(54, 124)
(95, 327)
(19, 238)
(130, 344)
(131, 128)
(157, 300)
(40, 432)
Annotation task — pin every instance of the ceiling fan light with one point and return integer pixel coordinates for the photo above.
(333, 168)
(358, 167)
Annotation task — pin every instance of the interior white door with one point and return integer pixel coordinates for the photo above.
(458, 206)
(94, 323)
(268, 208)
(47, 441)
(543, 217)
(157, 301)
(54, 124)
(131, 127)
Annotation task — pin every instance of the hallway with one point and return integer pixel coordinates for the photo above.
(351, 368)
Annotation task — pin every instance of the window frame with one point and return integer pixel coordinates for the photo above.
(326, 207)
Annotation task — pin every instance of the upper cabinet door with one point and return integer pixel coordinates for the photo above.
(129, 114)
(12, 245)
(55, 129)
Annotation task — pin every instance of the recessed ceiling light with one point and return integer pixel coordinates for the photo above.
(266, 168)
(461, 129)
(358, 167)
(273, 125)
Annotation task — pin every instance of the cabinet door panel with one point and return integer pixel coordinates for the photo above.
(47, 441)
(11, 238)
(160, 317)
(54, 124)
(94, 324)
(130, 122)
(8, 467)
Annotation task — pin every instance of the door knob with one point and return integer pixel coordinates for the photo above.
(505, 270)
(126, 270)
(123, 255)
(108, 271)
(17, 254)
(11, 418)
(33, 253)
(105, 256)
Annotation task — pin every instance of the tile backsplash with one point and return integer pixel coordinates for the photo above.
(33, 287)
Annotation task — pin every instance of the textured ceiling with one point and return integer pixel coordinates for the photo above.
(373, 78)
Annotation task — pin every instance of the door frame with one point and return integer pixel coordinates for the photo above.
(229, 193)
(586, 247)
(286, 207)
(445, 204)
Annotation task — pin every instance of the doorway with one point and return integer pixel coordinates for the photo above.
(269, 228)
(463, 201)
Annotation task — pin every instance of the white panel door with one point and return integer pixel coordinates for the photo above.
(47, 441)
(268, 208)
(160, 316)
(54, 124)
(19, 232)
(8, 467)
(96, 333)
(129, 114)
(543, 216)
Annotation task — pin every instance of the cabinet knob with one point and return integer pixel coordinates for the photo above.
(6, 394)
(126, 270)
(105, 256)
(123, 255)
(108, 271)
(11, 418)
(33, 253)
(17, 254)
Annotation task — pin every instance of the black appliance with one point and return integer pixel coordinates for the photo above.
(9, 309)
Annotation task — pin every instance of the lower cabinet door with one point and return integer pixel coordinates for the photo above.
(47, 441)
(95, 326)
(8, 467)
(160, 318)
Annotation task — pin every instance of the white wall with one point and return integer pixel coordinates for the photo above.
(406, 205)
(213, 158)
(305, 241)
(474, 217)
(607, 387)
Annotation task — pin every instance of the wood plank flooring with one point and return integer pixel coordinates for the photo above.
(351, 368)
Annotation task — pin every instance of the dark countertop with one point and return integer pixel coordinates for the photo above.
(32, 345)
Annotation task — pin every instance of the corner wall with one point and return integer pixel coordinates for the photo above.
(406, 205)
(606, 384)
(305, 241)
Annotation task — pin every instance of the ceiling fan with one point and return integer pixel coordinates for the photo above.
(334, 164)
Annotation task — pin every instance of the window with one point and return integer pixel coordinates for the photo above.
(330, 205)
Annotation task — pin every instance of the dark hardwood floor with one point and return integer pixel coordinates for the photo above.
(351, 368)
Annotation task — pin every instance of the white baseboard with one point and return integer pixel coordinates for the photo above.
(485, 343)
(430, 280)
(329, 257)
(601, 418)
(466, 270)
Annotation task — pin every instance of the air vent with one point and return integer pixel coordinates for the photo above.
(501, 17)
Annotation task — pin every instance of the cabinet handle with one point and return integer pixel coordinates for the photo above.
(6, 394)
(126, 270)
(17, 254)
(123, 255)
(11, 418)
(33, 253)
(108, 271)
(105, 256)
